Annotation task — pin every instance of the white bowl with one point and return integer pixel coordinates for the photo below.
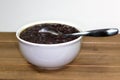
(48, 56)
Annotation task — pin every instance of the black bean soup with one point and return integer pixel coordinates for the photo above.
(33, 35)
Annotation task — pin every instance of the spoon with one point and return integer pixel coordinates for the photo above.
(94, 33)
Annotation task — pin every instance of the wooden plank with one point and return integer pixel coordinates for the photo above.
(110, 40)
(99, 59)
(9, 50)
(8, 37)
(69, 73)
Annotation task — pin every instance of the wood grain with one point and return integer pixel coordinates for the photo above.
(99, 59)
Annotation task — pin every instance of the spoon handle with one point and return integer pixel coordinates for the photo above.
(99, 32)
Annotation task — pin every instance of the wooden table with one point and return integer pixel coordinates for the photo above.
(99, 59)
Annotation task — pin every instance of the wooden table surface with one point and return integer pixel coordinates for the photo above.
(99, 59)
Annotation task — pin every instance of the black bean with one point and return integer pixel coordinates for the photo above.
(33, 35)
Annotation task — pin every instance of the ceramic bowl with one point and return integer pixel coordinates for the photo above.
(48, 56)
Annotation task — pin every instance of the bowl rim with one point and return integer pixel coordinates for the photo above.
(42, 22)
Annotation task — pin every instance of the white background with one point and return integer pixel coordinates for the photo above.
(88, 14)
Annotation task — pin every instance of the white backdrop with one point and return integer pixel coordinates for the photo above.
(88, 14)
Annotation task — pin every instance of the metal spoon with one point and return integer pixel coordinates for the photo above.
(93, 33)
